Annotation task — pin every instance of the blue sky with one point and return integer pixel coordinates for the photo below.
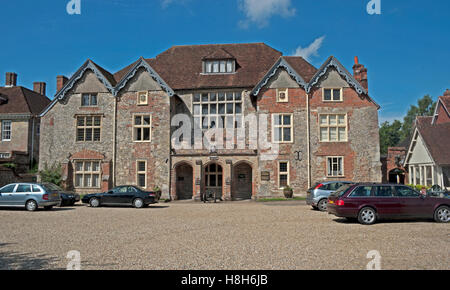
(406, 49)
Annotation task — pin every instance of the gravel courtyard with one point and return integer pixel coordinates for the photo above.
(232, 235)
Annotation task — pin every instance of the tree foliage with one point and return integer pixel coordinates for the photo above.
(391, 134)
(51, 174)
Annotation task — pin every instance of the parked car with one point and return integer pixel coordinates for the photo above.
(29, 195)
(369, 202)
(317, 196)
(122, 195)
(438, 191)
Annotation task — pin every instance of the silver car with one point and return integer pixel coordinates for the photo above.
(29, 195)
(317, 196)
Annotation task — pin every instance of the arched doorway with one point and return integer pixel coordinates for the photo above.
(184, 181)
(397, 175)
(242, 182)
(214, 178)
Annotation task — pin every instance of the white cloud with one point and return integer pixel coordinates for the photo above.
(260, 11)
(311, 50)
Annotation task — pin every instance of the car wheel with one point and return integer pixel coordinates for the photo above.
(442, 214)
(138, 203)
(367, 216)
(31, 205)
(322, 205)
(94, 202)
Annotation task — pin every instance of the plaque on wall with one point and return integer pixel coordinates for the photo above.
(265, 175)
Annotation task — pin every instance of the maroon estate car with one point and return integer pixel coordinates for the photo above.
(368, 202)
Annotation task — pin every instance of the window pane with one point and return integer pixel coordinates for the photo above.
(221, 97)
(333, 119)
(341, 119)
(277, 134)
(146, 120)
(283, 167)
(213, 109)
(88, 135)
(196, 109)
(85, 100)
(87, 166)
(97, 134)
(323, 134)
(230, 66)
(342, 134)
(80, 135)
(80, 121)
(336, 95)
(383, 191)
(141, 166)
(229, 122)
(287, 134)
(286, 120)
(146, 136)
(327, 94)
(87, 180)
(23, 188)
(238, 96)
(78, 180)
(333, 134)
(205, 97)
(238, 108)
(88, 121)
(323, 120)
(215, 66)
(95, 166)
(204, 109)
(230, 96)
(94, 100)
(283, 180)
(221, 108)
(97, 121)
(230, 108)
(95, 180)
(196, 97)
(223, 66)
(141, 180)
(213, 97)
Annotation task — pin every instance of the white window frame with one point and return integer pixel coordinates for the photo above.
(337, 126)
(288, 173)
(142, 127)
(328, 168)
(286, 92)
(6, 131)
(282, 126)
(83, 173)
(138, 96)
(215, 66)
(138, 173)
(199, 116)
(341, 93)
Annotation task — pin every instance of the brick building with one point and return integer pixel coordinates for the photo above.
(239, 119)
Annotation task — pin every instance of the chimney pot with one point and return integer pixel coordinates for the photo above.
(39, 87)
(11, 79)
(356, 60)
(60, 82)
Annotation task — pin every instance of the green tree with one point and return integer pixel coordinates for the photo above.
(425, 107)
(390, 135)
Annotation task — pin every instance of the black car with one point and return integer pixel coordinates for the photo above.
(69, 198)
(122, 195)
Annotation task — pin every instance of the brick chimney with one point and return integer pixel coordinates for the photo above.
(60, 82)
(39, 87)
(11, 79)
(447, 93)
(360, 74)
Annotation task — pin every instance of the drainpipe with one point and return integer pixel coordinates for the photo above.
(114, 143)
(308, 141)
(32, 142)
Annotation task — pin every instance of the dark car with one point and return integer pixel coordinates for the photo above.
(369, 202)
(68, 198)
(122, 195)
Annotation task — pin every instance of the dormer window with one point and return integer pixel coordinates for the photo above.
(219, 66)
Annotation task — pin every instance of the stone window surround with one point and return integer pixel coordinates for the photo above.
(83, 173)
(93, 127)
(139, 101)
(332, 89)
(200, 102)
(291, 126)
(286, 98)
(6, 130)
(142, 126)
(337, 126)
(90, 103)
(329, 172)
(143, 172)
(284, 173)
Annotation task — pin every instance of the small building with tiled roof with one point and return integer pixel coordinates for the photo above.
(20, 110)
(238, 120)
(428, 157)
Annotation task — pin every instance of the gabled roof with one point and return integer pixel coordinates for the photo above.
(219, 53)
(182, 68)
(333, 62)
(20, 100)
(436, 139)
(142, 63)
(287, 63)
(103, 75)
(443, 101)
